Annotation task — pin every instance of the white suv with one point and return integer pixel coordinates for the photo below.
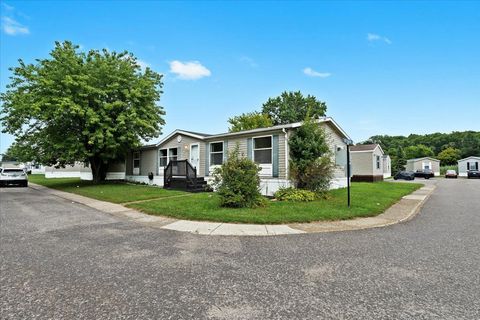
(13, 176)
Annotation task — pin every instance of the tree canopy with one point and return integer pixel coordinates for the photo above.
(251, 120)
(468, 142)
(418, 151)
(81, 106)
(292, 107)
(449, 156)
(289, 107)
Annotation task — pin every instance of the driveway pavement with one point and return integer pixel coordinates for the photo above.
(60, 259)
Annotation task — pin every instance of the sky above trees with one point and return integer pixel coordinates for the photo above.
(382, 68)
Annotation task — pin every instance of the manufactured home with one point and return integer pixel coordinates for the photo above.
(425, 163)
(466, 164)
(369, 163)
(184, 154)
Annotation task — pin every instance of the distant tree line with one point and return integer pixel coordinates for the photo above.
(447, 147)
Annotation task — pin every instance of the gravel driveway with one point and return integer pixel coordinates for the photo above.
(63, 260)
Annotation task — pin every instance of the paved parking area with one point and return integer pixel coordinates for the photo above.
(64, 260)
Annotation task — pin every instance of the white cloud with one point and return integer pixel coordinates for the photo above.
(7, 7)
(376, 37)
(312, 73)
(249, 61)
(189, 70)
(12, 27)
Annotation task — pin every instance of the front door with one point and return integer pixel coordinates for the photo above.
(194, 156)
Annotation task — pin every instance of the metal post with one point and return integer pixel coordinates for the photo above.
(348, 173)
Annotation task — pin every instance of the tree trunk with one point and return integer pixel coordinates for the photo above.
(99, 169)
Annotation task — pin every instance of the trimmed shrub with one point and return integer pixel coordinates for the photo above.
(237, 182)
(296, 195)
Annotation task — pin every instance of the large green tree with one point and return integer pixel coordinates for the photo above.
(292, 107)
(418, 151)
(81, 106)
(449, 156)
(251, 120)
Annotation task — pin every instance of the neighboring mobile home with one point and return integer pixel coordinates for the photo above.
(116, 171)
(369, 163)
(470, 163)
(266, 146)
(424, 163)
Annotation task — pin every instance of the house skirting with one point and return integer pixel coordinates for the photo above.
(157, 180)
(367, 178)
(62, 174)
(387, 175)
(268, 186)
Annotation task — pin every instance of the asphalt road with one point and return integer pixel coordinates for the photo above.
(61, 260)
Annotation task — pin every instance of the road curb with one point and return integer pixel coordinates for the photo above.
(404, 210)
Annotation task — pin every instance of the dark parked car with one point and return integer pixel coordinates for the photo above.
(425, 173)
(405, 175)
(473, 174)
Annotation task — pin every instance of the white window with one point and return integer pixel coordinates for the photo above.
(172, 154)
(136, 163)
(262, 150)
(216, 153)
(378, 162)
(163, 158)
(136, 160)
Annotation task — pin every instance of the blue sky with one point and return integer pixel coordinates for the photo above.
(381, 67)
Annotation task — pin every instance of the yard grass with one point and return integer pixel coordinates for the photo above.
(368, 199)
(117, 192)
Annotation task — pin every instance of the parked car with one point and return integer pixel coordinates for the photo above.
(425, 173)
(405, 175)
(13, 176)
(451, 174)
(473, 174)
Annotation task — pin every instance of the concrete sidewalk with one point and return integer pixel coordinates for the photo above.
(403, 210)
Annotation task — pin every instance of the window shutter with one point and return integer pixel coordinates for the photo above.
(468, 165)
(207, 159)
(225, 150)
(275, 154)
(250, 148)
(476, 165)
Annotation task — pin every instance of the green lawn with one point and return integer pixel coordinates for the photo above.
(108, 191)
(368, 199)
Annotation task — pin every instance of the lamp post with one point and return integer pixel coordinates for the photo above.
(348, 142)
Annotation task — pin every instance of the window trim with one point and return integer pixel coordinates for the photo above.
(210, 152)
(168, 156)
(136, 158)
(160, 156)
(271, 148)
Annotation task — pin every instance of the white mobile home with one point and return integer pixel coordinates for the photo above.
(469, 163)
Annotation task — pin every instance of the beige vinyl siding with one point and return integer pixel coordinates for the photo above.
(241, 140)
(148, 161)
(418, 165)
(184, 150)
(362, 163)
(335, 139)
